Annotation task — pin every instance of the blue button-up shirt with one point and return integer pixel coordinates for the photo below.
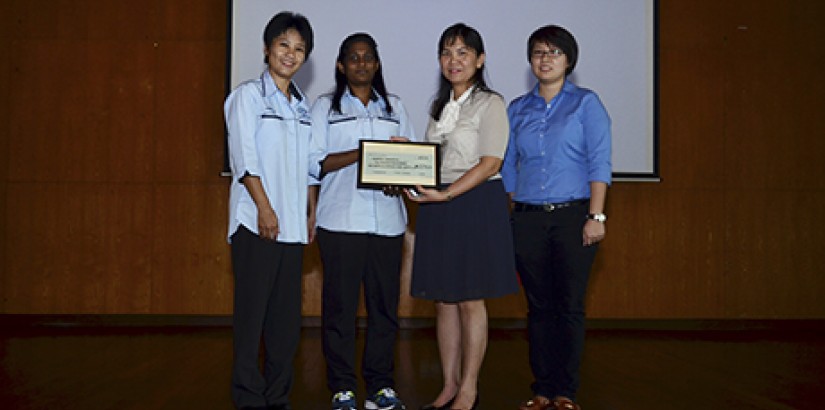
(269, 138)
(555, 150)
(342, 207)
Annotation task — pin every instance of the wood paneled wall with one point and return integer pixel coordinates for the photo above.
(111, 147)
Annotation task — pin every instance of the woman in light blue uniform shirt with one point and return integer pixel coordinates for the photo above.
(360, 231)
(270, 215)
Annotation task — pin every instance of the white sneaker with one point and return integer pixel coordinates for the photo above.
(384, 399)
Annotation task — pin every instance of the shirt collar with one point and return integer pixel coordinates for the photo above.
(565, 88)
(270, 89)
(373, 98)
(463, 97)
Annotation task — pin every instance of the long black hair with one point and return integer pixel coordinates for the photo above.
(341, 78)
(472, 38)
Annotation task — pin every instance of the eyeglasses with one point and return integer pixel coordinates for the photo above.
(553, 53)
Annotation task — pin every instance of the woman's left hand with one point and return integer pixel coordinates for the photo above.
(593, 232)
(421, 194)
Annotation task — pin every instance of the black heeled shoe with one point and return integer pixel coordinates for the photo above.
(446, 406)
(475, 404)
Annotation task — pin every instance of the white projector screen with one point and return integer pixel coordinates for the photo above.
(617, 55)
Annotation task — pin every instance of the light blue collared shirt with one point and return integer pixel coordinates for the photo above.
(269, 138)
(557, 149)
(342, 207)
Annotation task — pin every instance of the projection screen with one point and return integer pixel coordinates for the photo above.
(617, 41)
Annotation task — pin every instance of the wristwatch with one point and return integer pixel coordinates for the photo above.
(600, 217)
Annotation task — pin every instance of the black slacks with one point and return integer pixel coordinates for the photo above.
(554, 267)
(350, 260)
(267, 305)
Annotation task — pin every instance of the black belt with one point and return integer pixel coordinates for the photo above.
(548, 207)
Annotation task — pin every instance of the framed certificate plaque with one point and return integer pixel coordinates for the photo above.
(402, 164)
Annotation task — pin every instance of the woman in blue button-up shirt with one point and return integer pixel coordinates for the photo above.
(269, 214)
(556, 169)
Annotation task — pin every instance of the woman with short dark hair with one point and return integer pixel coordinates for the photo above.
(271, 214)
(557, 169)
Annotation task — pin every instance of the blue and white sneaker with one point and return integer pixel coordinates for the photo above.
(344, 400)
(384, 399)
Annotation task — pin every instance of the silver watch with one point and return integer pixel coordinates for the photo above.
(597, 217)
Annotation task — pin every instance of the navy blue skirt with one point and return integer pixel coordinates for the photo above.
(464, 247)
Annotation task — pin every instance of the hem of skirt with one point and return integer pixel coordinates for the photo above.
(439, 298)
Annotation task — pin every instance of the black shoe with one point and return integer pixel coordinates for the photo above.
(475, 404)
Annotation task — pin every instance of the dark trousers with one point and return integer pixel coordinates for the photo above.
(267, 305)
(351, 259)
(554, 267)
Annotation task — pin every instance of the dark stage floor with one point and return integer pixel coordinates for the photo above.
(187, 367)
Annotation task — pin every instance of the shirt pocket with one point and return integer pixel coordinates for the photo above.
(342, 133)
(272, 130)
(386, 127)
(304, 128)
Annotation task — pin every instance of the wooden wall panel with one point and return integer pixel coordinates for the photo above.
(190, 257)
(82, 111)
(776, 141)
(773, 259)
(7, 18)
(188, 115)
(661, 246)
(110, 114)
(773, 169)
(85, 19)
(197, 20)
(78, 248)
(6, 21)
(691, 150)
(313, 277)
